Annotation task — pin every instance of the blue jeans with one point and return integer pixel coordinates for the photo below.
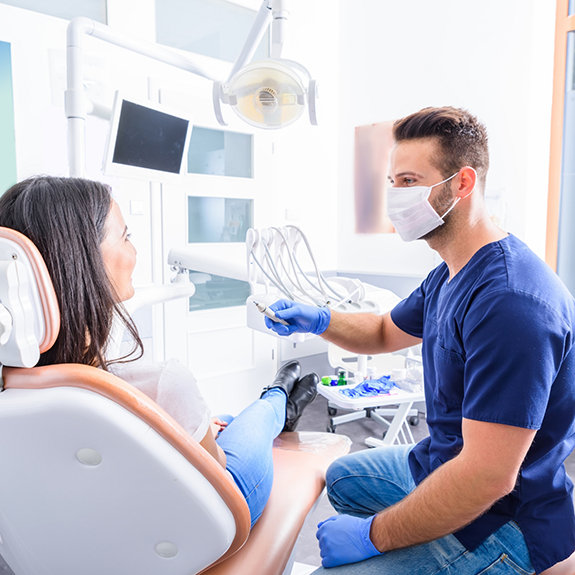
(247, 442)
(366, 482)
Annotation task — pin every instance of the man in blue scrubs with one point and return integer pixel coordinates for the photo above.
(487, 490)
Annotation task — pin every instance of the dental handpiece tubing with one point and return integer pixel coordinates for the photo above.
(269, 313)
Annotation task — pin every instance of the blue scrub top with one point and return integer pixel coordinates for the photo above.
(498, 347)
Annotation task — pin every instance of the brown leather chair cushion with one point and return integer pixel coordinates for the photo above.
(300, 464)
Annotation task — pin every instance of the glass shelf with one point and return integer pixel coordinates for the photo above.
(220, 153)
(213, 292)
(218, 220)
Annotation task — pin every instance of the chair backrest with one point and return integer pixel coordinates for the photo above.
(96, 478)
(29, 313)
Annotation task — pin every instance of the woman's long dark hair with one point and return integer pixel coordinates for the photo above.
(65, 218)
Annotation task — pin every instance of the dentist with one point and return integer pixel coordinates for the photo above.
(487, 491)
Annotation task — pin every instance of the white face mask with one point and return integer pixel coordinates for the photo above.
(411, 213)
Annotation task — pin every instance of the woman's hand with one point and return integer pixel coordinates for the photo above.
(217, 426)
(209, 441)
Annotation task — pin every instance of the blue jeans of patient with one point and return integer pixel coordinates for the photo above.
(247, 442)
(363, 483)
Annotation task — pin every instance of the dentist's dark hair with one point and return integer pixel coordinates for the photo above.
(460, 137)
(65, 218)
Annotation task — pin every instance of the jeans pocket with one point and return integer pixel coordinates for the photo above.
(515, 526)
(505, 566)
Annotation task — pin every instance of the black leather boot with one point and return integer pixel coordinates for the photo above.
(286, 377)
(304, 392)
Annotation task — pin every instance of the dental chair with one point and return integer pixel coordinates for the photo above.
(97, 479)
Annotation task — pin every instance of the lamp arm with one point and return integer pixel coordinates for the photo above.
(75, 101)
(261, 22)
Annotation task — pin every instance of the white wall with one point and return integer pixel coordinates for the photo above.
(306, 171)
(493, 58)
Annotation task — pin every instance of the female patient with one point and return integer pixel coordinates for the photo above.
(80, 232)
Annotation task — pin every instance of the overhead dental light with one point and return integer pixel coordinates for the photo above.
(270, 93)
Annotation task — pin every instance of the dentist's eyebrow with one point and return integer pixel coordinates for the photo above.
(408, 174)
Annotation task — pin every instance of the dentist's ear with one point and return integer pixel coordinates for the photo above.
(466, 181)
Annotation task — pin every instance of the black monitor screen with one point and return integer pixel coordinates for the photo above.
(150, 139)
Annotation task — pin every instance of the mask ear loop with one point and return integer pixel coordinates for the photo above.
(439, 184)
(447, 180)
(456, 199)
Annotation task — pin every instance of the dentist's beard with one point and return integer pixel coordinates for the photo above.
(441, 203)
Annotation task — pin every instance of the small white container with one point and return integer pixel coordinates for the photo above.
(414, 367)
(371, 373)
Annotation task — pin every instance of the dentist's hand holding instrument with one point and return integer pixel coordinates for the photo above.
(300, 318)
(269, 313)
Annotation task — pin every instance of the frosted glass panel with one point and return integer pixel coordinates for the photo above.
(571, 7)
(68, 9)
(566, 240)
(213, 28)
(220, 153)
(216, 291)
(216, 220)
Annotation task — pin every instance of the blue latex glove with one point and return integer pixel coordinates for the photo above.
(345, 539)
(302, 318)
(370, 388)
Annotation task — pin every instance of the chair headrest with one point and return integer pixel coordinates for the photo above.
(29, 312)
